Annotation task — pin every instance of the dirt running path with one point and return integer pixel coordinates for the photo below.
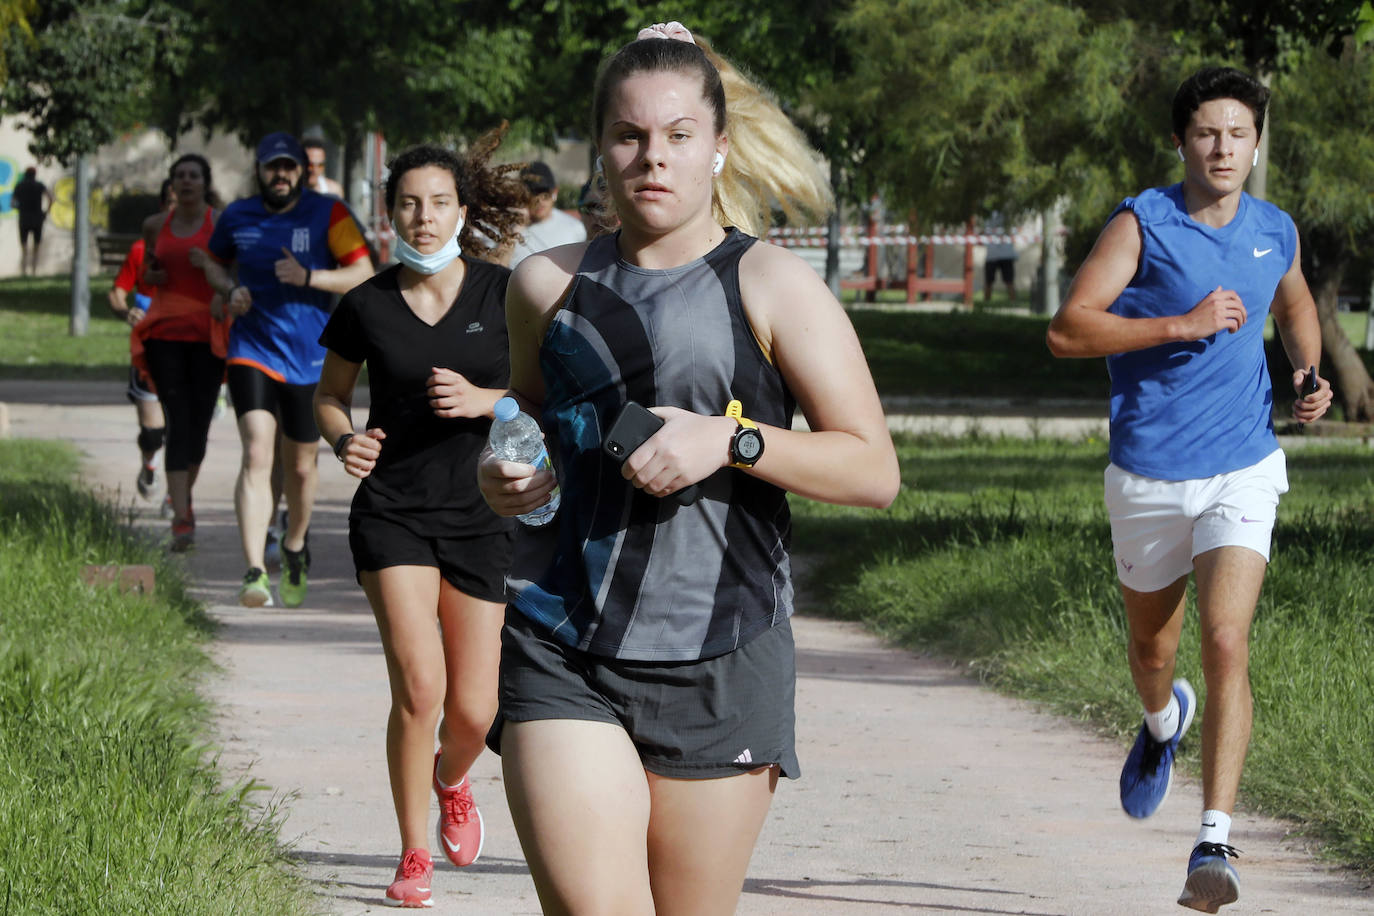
(921, 791)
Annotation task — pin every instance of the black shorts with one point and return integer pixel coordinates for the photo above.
(702, 719)
(475, 565)
(1005, 266)
(31, 228)
(294, 405)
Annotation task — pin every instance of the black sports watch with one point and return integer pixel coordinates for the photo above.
(747, 444)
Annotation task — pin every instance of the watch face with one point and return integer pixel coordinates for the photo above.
(748, 445)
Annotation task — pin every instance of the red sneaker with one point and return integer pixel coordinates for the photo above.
(460, 823)
(411, 887)
(183, 534)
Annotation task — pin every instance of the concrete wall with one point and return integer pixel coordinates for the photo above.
(137, 161)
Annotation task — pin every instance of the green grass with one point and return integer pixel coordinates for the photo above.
(34, 342)
(997, 552)
(109, 801)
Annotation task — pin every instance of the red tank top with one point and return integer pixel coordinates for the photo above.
(181, 306)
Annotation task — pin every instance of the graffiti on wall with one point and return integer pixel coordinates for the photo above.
(63, 212)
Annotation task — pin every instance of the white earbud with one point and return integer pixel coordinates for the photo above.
(1254, 160)
(1179, 150)
(718, 164)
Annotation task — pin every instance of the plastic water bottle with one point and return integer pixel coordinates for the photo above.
(515, 436)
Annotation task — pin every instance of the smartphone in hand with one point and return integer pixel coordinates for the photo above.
(631, 429)
(1309, 382)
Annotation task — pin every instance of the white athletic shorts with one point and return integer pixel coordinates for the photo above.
(1158, 526)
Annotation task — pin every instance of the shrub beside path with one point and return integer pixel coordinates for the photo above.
(921, 791)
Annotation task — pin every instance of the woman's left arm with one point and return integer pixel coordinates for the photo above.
(847, 455)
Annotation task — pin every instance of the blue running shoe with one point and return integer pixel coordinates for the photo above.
(1149, 769)
(1212, 881)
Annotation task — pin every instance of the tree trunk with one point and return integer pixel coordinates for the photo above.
(1049, 260)
(1258, 185)
(832, 236)
(1345, 368)
(81, 258)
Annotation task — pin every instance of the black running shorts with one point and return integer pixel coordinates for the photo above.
(474, 565)
(294, 405)
(704, 719)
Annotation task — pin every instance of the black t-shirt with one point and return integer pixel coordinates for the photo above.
(27, 198)
(426, 476)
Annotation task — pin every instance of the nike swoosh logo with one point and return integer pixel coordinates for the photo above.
(1250, 521)
(452, 847)
(1260, 254)
(1205, 824)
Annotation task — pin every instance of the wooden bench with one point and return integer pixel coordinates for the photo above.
(114, 247)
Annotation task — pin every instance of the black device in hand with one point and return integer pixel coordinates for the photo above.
(631, 429)
(1309, 382)
(1309, 386)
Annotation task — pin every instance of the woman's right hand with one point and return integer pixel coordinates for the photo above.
(240, 301)
(362, 451)
(512, 488)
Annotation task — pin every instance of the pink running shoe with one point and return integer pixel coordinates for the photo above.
(460, 823)
(411, 887)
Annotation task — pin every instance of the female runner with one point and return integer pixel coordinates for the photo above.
(426, 547)
(183, 345)
(647, 668)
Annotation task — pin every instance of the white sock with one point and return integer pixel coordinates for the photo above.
(1216, 827)
(456, 785)
(1163, 725)
(155, 461)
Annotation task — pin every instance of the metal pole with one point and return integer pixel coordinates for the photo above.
(81, 260)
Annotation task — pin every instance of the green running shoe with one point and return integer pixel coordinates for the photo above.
(256, 590)
(294, 566)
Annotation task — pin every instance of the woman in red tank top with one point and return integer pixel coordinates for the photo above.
(182, 341)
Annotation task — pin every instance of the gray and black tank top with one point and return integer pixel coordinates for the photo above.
(621, 573)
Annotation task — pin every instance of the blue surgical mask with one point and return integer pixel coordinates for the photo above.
(429, 263)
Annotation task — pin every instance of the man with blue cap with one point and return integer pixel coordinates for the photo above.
(292, 250)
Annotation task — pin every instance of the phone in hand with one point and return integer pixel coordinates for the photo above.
(631, 429)
(1309, 386)
(1309, 382)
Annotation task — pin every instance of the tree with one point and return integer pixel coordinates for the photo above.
(962, 108)
(1324, 159)
(14, 17)
(77, 76)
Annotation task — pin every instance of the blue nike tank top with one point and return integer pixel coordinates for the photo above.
(1183, 411)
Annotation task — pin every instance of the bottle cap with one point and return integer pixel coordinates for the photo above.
(506, 409)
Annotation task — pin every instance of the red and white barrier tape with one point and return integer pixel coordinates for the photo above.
(850, 236)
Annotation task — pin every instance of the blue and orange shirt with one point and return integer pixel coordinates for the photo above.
(280, 333)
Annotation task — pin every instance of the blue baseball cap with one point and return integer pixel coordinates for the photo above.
(280, 145)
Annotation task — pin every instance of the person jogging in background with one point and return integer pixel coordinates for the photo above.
(152, 428)
(316, 159)
(293, 249)
(547, 226)
(182, 343)
(427, 549)
(1175, 295)
(647, 665)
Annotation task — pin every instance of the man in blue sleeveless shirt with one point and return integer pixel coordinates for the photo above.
(1175, 295)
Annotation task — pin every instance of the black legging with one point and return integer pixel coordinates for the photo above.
(187, 376)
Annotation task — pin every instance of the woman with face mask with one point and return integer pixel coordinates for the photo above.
(426, 547)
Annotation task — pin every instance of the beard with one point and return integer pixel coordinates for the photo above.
(275, 200)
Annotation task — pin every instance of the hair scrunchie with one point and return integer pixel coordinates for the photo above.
(674, 31)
